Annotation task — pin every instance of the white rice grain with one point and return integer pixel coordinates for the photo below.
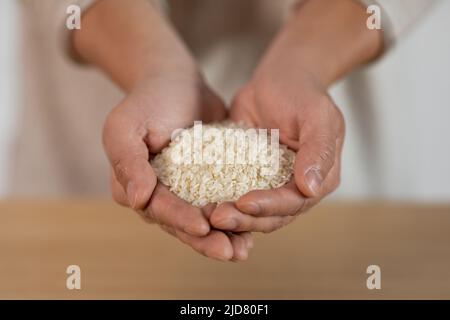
(216, 182)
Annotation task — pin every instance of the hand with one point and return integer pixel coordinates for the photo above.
(141, 126)
(310, 124)
(138, 49)
(288, 91)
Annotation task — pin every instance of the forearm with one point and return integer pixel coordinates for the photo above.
(130, 40)
(326, 38)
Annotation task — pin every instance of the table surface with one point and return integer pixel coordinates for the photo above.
(323, 254)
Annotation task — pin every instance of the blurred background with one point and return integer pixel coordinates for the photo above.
(397, 144)
(9, 86)
(397, 147)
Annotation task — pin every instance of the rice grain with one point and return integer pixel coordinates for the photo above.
(220, 180)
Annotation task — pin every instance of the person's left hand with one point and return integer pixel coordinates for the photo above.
(320, 42)
(310, 124)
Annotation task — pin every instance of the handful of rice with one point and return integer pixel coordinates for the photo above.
(220, 162)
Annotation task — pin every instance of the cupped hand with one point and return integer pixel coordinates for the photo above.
(142, 125)
(309, 122)
(320, 42)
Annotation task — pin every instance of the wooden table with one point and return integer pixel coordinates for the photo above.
(323, 254)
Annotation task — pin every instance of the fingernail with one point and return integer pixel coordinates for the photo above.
(131, 195)
(225, 255)
(250, 208)
(314, 180)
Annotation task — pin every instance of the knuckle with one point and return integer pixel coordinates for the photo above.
(327, 150)
(324, 149)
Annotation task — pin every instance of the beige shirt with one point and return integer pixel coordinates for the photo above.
(59, 149)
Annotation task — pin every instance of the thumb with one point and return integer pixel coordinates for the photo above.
(314, 160)
(129, 158)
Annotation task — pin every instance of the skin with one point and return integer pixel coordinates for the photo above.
(321, 42)
(138, 49)
(134, 45)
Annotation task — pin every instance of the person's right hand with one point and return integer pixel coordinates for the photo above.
(136, 46)
(140, 126)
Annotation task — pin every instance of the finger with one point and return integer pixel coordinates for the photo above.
(215, 245)
(128, 155)
(334, 176)
(317, 152)
(213, 108)
(248, 239)
(282, 201)
(330, 184)
(239, 111)
(168, 209)
(227, 217)
(119, 195)
(209, 209)
(240, 246)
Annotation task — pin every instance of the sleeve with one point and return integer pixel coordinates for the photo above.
(398, 16)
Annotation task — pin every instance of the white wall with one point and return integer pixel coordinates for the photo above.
(398, 137)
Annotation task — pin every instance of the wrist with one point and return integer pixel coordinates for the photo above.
(158, 66)
(131, 42)
(326, 39)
